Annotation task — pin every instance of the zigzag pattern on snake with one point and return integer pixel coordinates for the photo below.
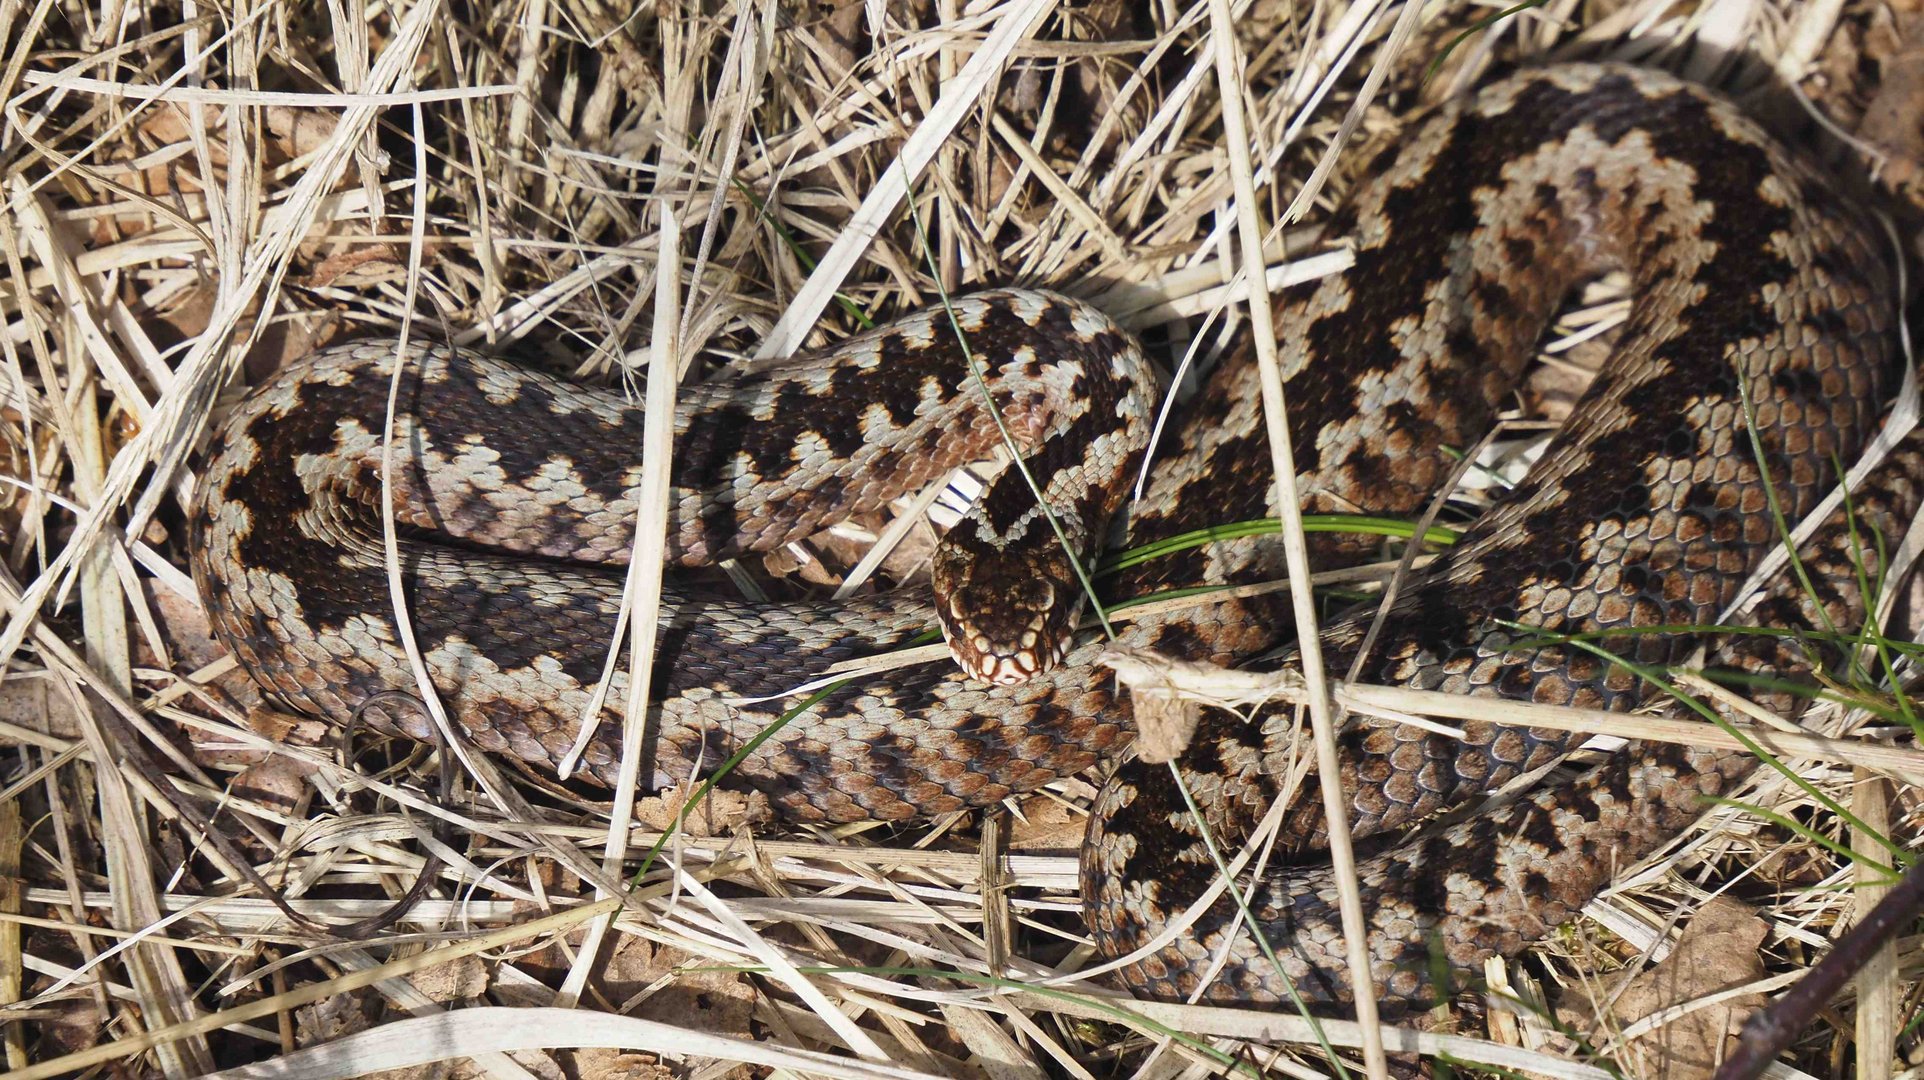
(1757, 292)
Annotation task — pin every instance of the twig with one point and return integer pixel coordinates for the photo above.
(1770, 1032)
(1295, 552)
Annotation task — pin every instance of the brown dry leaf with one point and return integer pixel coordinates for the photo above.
(184, 316)
(838, 40)
(27, 703)
(284, 338)
(358, 267)
(1894, 120)
(911, 557)
(192, 645)
(721, 812)
(640, 978)
(604, 1063)
(785, 562)
(287, 339)
(184, 628)
(168, 124)
(279, 781)
(214, 750)
(711, 1000)
(458, 980)
(291, 132)
(1046, 824)
(299, 131)
(1717, 951)
(330, 1018)
(15, 501)
(68, 1026)
(272, 723)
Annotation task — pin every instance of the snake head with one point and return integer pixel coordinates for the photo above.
(1007, 617)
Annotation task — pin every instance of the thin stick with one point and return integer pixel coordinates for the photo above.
(1295, 553)
(1880, 1012)
(643, 585)
(1769, 1032)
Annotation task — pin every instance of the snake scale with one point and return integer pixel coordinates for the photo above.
(1757, 293)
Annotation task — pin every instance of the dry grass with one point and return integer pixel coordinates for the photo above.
(195, 194)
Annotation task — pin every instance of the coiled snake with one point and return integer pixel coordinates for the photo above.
(1757, 293)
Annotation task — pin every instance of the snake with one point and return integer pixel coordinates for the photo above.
(1757, 353)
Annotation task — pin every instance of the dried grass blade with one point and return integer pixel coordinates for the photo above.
(959, 97)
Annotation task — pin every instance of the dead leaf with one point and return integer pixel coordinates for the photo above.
(288, 339)
(1047, 824)
(184, 316)
(215, 750)
(605, 1063)
(291, 132)
(183, 627)
(720, 813)
(68, 1027)
(1894, 120)
(27, 703)
(279, 782)
(330, 1018)
(458, 980)
(640, 978)
(700, 998)
(299, 131)
(371, 264)
(839, 549)
(1717, 951)
(837, 30)
(283, 338)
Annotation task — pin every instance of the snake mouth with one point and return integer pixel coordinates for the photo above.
(982, 660)
(1006, 635)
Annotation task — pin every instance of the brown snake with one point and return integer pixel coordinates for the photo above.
(1755, 290)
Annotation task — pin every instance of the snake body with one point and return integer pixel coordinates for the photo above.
(1758, 294)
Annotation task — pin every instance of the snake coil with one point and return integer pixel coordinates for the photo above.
(1763, 318)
